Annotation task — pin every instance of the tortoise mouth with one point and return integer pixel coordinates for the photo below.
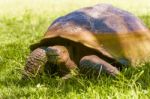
(51, 54)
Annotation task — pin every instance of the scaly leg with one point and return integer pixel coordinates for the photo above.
(93, 64)
(35, 63)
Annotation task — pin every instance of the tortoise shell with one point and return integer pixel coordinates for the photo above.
(112, 32)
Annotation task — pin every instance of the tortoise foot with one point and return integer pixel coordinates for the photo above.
(92, 64)
(35, 63)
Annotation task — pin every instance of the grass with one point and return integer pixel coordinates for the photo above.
(24, 22)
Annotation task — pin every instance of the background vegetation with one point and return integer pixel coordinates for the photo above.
(23, 22)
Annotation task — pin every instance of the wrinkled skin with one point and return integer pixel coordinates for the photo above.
(35, 63)
(93, 64)
(60, 56)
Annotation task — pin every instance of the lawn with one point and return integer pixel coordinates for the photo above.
(23, 22)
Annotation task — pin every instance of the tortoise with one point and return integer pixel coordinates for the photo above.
(100, 37)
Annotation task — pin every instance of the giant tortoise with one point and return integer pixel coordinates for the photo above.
(101, 37)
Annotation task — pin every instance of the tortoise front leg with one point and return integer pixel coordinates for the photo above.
(94, 64)
(35, 63)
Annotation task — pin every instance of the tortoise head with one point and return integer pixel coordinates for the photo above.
(57, 54)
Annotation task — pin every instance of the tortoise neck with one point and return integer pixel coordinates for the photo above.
(70, 64)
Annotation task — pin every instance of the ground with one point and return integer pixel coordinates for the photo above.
(23, 22)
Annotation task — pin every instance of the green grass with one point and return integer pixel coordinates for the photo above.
(24, 22)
